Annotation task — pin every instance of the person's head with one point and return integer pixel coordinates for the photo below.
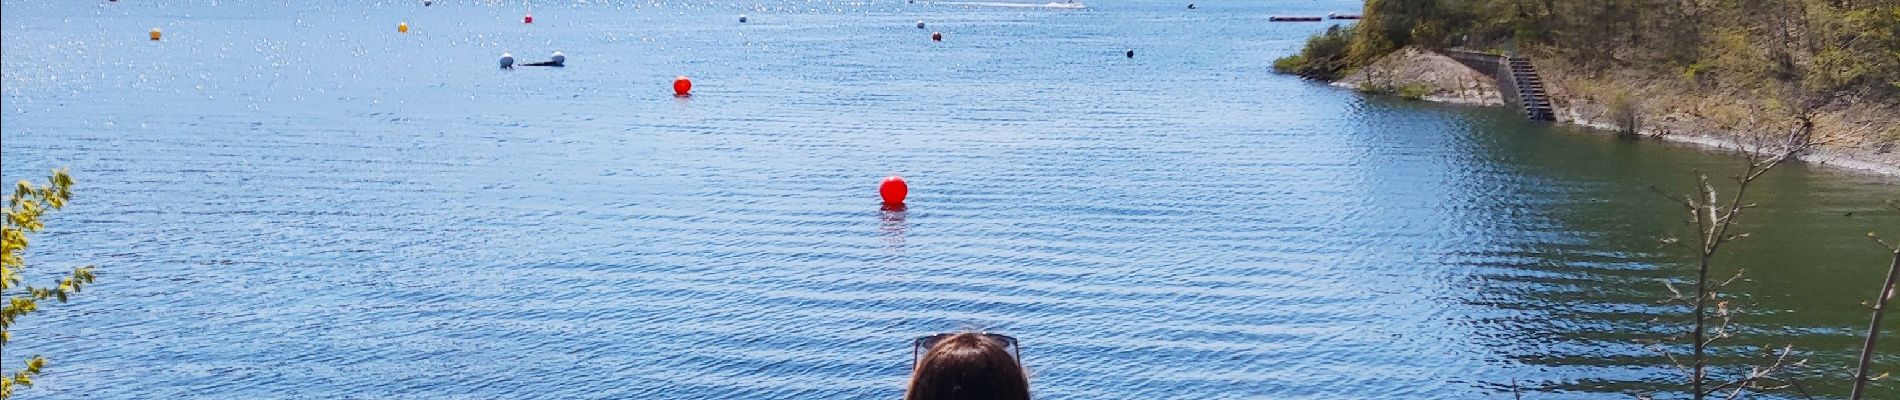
(968, 366)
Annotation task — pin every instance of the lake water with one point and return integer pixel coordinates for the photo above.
(288, 199)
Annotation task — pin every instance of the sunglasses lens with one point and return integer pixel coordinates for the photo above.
(999, 339)
(930, 341)
(1007, 342)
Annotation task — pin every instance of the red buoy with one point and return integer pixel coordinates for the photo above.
(682, 86)
(936, 36)
(527, 19)
(893, 190)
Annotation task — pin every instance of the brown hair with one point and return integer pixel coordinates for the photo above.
(968, 366)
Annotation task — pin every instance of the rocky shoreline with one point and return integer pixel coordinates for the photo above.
(1656, 111)
(1429, 76)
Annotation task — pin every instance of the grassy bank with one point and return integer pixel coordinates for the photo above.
(1323, 58)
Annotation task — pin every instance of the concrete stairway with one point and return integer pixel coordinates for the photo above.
(1530, 90)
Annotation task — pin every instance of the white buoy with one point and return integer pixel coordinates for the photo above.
(559, 59)
(507, 60)
(920, 24)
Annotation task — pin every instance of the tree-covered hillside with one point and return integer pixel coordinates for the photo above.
(1850, 47)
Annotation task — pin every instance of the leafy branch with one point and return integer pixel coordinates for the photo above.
(24, 207)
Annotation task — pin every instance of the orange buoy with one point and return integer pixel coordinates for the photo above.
(893, 190)
(527, 18)
(682, 86)
(936, 36)
(402, 27)
(155, 34)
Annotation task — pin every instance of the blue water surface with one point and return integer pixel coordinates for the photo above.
(289, 199)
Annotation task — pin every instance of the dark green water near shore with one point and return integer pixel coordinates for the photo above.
(1808, 264)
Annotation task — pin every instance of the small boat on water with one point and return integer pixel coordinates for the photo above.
(1343, 16)
(1295, 18)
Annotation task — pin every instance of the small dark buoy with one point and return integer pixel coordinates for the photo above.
(936, 36)
(893, 190)
(426, 3)
(742, 19)
(1131, 54)
(507, 61)
(920, 24)
(1190, 6)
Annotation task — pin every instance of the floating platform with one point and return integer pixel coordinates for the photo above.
(1071, 5)
(1285, 18)
(1344, 16)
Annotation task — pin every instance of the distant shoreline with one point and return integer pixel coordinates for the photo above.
(1431, 76)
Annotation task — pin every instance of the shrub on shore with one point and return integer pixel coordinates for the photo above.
(1414, 91)
(1409, 91)
(1323, 58)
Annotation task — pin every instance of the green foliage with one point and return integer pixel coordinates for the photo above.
(25, 206)
(1292, 64)
(1865, 50)
(1394, 24)
(1414, 91)
(1323, 58)
(1409, 91)
(1625, 112)
(1802, 51)
(1370, 88)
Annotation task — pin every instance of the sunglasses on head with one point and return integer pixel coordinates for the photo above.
(923, 344)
